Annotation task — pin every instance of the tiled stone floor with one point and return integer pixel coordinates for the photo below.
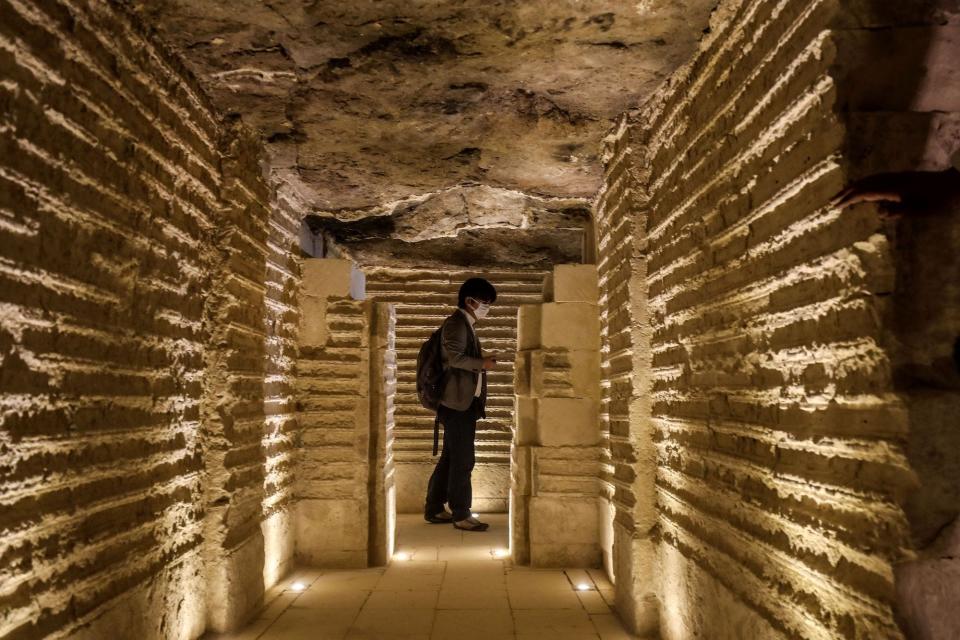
(452, 587)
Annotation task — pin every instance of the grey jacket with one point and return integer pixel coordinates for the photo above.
(462, 363)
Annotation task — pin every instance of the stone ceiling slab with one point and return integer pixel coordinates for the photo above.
(367, 104)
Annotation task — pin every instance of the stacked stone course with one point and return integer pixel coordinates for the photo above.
(746, 323)
(135, 227)
(343, 398)
(555, 505)
(423, 298)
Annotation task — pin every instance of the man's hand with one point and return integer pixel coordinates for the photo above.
(489, 363)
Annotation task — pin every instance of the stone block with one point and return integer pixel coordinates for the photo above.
(521, 373)
(569, 374)
(313, 325)
(525, 420)
(567, 422)
(327, 277)
(332, 533)
(528, 326)
(569, 325)
(236, 584)
(521, 461)
(577, 515)
(572, 283)
(548, 287)
(519, 535)
(410, 480)
(563, 555)
(490, 486)
(563, 532)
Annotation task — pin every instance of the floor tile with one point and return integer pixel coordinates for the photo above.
(481, 553)
(551, 623)
(472, 625)
(381, 623)
(414, 582)
(310, 624)
(251, 632)
(402, 600)
(610, 628)
(593, 602)
(473, 598)
(279, 604)
(331, 597)
(541, 579)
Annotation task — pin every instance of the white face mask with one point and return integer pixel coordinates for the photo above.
(481, 310)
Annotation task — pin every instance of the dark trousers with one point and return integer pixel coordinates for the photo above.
(450, 481)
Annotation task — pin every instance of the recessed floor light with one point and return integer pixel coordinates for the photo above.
(298, 586)
(401, 555)
(583, 586)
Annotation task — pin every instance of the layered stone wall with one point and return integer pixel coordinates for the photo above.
(423, 298)
(556, 512)
(136, 229)
(344, 397)
(748, 326)
(280, 428)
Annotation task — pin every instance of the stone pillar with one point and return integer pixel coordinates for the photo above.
(555, 514)
(333, 402)
(383, 374)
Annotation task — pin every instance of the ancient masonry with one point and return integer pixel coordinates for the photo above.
(745, 411)
(345, 405)
(423, 298)
(755, 311)
(146, 327)
(556, 513)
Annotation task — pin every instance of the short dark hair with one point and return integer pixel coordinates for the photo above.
(478, 289)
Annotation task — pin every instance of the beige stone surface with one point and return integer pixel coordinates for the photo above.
(332, 533)
(528, 326)
(490, 482)
(326, 277)
(567, 422)
(572, 283)
(569, 325)
(565, 373)
(525, 420)
(473, 594)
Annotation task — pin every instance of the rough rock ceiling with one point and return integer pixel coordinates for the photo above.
(375, 109)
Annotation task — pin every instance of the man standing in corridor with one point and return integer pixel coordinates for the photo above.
(461, 405)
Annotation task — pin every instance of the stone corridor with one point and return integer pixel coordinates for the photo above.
(724, 236)
(443, 584)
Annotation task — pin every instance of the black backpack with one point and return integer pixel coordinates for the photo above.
(430, 379)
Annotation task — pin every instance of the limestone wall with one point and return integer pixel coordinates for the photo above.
(423, 298)
(751, 367)
(143, 342)
(333, 397)
(556, 512)
(281, 429)
(345, 388)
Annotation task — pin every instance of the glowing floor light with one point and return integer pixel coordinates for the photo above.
(501, 553)
(298, 586)
(401, 556)
(583, 586)
(475, 515)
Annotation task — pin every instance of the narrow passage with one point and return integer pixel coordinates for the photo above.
(443, 584)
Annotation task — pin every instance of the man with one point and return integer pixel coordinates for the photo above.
(461, 405)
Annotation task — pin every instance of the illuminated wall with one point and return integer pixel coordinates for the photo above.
(423, 298)
(144, 475)
(758, 427)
